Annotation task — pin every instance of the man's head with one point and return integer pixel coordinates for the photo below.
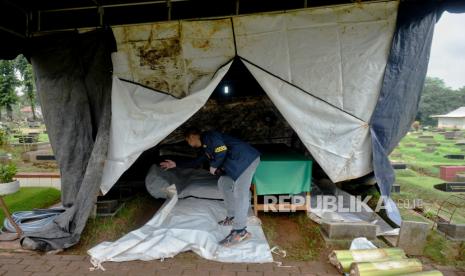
(192, 136)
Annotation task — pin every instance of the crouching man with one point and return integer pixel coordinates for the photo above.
(235, 161)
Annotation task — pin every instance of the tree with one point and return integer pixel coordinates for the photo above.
(8, 83)
(25, 69)
(438, 99)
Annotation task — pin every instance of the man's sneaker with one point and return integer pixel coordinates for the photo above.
(235, 237)
(227, 221)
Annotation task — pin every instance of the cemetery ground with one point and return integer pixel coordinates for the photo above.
(424, 153)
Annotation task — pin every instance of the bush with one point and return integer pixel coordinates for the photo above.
(3, 137)
(7, 172)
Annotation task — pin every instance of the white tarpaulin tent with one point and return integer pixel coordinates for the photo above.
(321, 67)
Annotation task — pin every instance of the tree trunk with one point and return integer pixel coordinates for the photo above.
(33, 108)
(9, 112)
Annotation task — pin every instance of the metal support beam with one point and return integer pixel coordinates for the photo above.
(12, 32)
(101, 12)
(169, 6)
(113, 6)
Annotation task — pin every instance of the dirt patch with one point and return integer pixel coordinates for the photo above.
(295, 233)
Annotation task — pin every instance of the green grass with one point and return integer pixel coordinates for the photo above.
(416, 186)
(443, 251)
(30, 198)
(428, 163)
(43, 137)
(418, 182)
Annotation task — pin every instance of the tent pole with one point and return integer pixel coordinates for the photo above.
(12, 32)
(113, 5)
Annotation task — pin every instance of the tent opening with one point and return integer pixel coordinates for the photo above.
(238, 107)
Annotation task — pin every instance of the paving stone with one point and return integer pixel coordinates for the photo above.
(38, 268)
(223, 273)
(187, 265)
(260, 267)
(284, 269)
(157, 265)
(194, 272)
(235, 267)
(72, 257)
(57, 262)
(316, 267)
(64, 269)
(33, 261)
(412, 237)
(275, 273)
(44, 274)
(172, 272)
(4, 260)
(250, 273)
(13, 267)
(17, 273)
(209, 266)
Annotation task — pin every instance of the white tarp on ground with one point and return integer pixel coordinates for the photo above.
(336, 54)
(183, 225)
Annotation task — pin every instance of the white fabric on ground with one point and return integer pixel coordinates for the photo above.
(183, 225)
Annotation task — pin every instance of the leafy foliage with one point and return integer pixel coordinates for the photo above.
(25, 69)
(8, 83)
(438, 99)
(7, 172)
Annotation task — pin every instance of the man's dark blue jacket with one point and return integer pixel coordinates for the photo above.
(224, 152)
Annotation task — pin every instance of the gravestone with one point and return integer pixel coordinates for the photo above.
(410, 145)
(399, 166)
(412, 237)
(454, 232)
(395, 188)
(450, 135)
(429, 149)
(455, 156)
(396, 155)
(349, 230)
(460, 177)
(435, 144)
(426, 137)
(426, 141)
(460, 143)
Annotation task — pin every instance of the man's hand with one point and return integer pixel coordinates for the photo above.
(212, 170)
(168, 164)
